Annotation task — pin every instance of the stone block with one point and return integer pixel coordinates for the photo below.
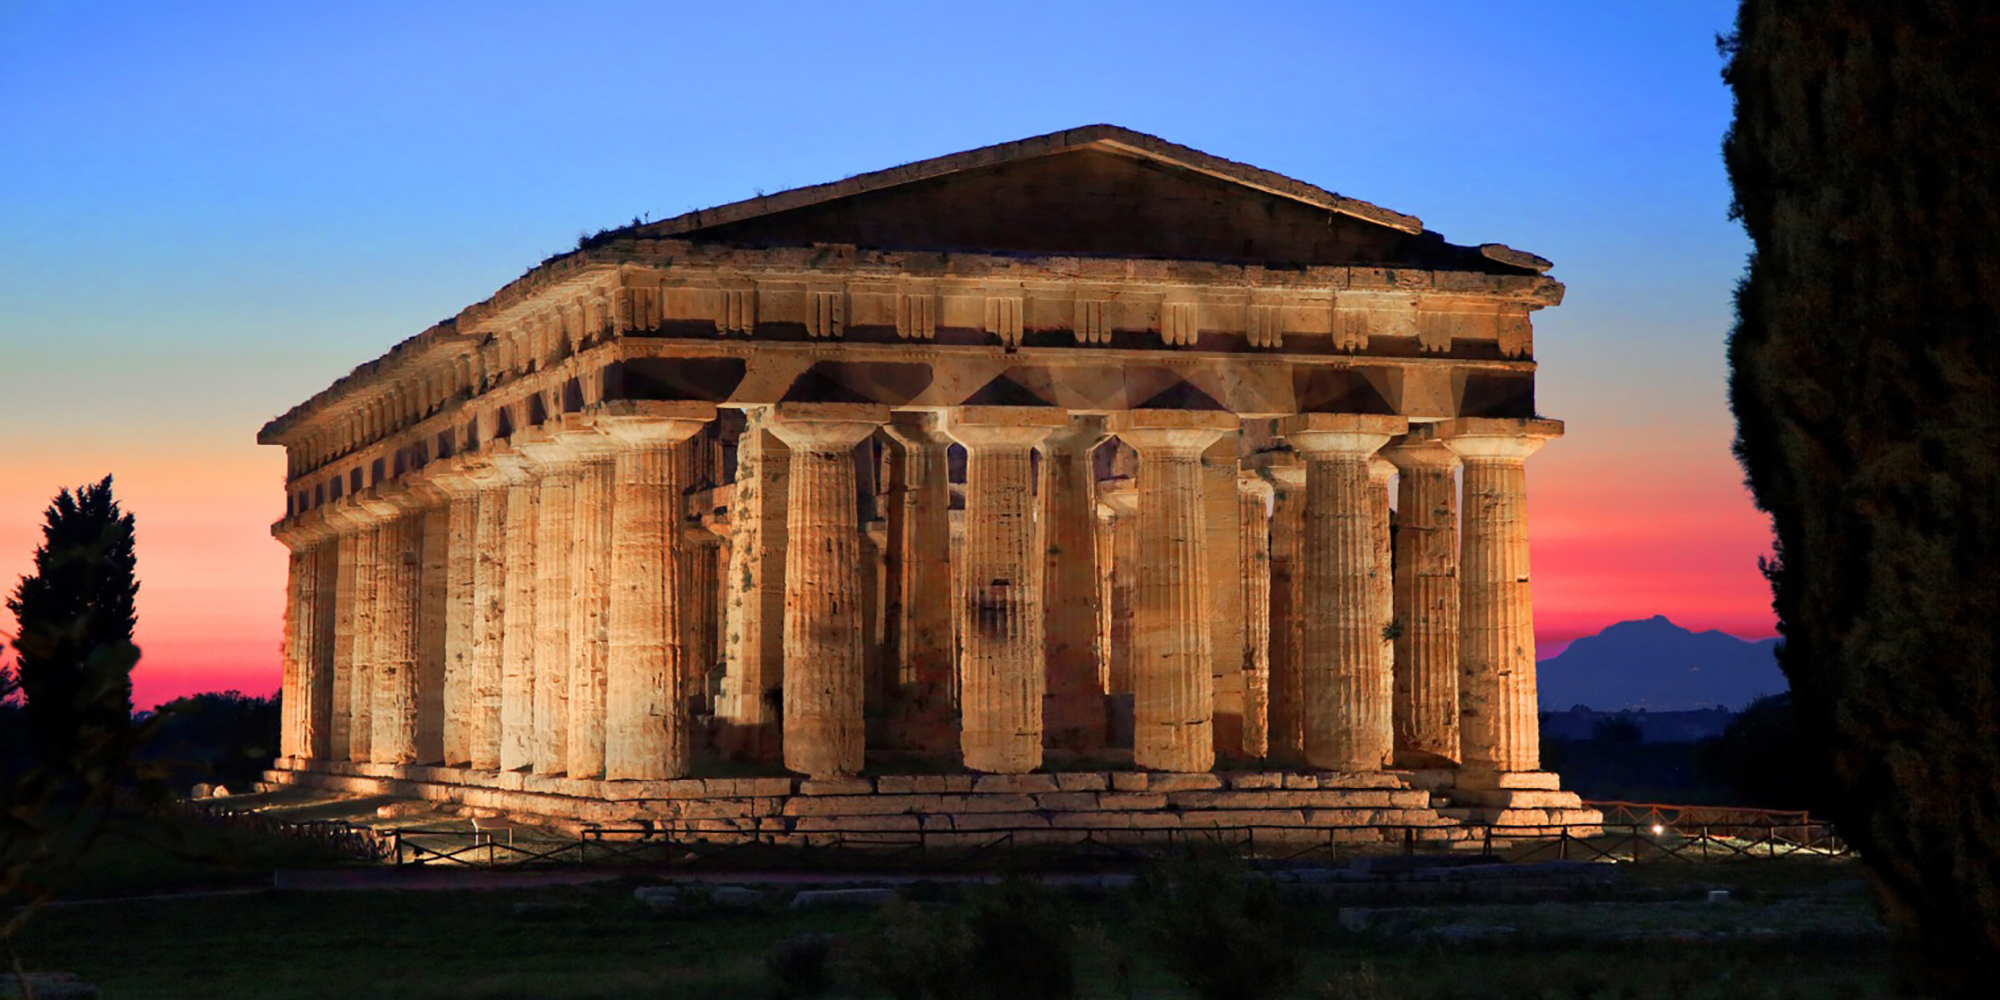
(859, 805)
(1173, 781)
(856, 824)
(836, 786)
(1131, 800)
(896, 784)
(1360, 779)
(765, 786)
(1129, 781)
(1083, 781)
(1241, 817)
(1066, 801)
(942, 783)
(993, 802)
(1538, 780)
(812, 898)
(1294, 779)
(1117, 821)
(1254, 779)
(1014, 783)
(1000, 821)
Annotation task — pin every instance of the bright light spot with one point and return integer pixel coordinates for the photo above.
(1658, 829)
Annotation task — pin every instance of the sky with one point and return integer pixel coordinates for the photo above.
(210, 211)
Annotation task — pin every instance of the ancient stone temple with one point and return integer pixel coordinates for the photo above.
(1081, 482)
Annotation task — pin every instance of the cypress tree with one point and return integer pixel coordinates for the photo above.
(1865, 156)
(74, 615)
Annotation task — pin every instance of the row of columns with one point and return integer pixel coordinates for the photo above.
(1253, 612)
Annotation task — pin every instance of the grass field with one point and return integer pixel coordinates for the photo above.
(1791, 930)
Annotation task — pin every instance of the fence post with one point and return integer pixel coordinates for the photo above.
(1562, 844)
(1409, 842)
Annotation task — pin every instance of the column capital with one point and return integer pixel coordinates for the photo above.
(1501, 439)
(1003, 426)
(1121, 495)
(1283, 469)
(653, 423)
(1082, 432)
(1250, 483)
(1194, 430)
(916, 429)
(1338, 434)
(1421, 449)
(824, 426)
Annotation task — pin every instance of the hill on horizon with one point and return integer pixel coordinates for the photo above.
(1656, 665)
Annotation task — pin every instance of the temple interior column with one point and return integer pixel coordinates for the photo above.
(590, 589)
(1499, 729)
(1003, 677)
(517, 625)
(1285, 701)
(757, 547)
(1073, 702)
(700, 574)
(920, 588)
(1172, 679)
(824, 732)
(1253, 516)
(1347, 685)
(1426, 597)
(1122, 497)
(399, 552)
(648, 733)
(1224, 553)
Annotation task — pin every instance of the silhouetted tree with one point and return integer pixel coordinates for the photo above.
(79, 599)
(1762, 760)
(1865, 157)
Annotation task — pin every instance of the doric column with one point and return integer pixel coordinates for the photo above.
(1073, 703)
(756, 632)
(1382, 584)
(823, 725)
(1499, 729)
(1173, 684)
(458, 501)
(647, 729)
(340, 719)
(432, 619)
(1426, 596)
(1286, 701)
(920, 588)
(1002, 674)
(1122, 497)
(490, 541)
(290, 695)
(518, 614)
(590, 585)
(1347, 686)
(1253, 518)
(361, 674)
(398, 540)
(555, 551)
(1225, 594)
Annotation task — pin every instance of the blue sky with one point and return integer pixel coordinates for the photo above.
(208, 211)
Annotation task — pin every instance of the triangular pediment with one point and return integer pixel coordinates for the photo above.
(1094, 191)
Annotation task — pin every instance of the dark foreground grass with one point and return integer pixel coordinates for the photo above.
(472, 944)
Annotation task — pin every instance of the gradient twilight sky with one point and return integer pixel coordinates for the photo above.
(210, 210)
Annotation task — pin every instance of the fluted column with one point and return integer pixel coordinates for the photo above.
(920, 586)
(340, 698)
(1225, 597)
(756, 582)
(1347, 685)
(823, 725)
(590, 587)
(1381, 584)
(1122, 497)
(647, 729)
(1002, 674)
(1426, 597)
(290, 697)
(518, 616)
(399, 541)
(1173, 683)
(1286, 701)
(460, 517)
(361, 673)
(1253, 518)
(490, 540)
(555, 544)
(1499, 728)
(1073, 703)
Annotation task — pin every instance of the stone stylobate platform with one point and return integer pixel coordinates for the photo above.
(1065, 455)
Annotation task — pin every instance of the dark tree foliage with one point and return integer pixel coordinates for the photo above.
(1762, 760)
(1865, 156)
(78, 599)
(225, 737)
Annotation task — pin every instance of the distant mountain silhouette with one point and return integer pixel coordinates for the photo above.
(1657, 665)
